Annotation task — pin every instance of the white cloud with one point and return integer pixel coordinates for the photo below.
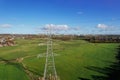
(108, 28)
(75, 28)
(102, 26)
(6, 25)
(56, 27)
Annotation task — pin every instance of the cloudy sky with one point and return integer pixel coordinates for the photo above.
(65, 16)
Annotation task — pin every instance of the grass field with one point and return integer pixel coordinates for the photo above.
(72, 59)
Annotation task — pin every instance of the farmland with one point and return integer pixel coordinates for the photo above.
(72, 58)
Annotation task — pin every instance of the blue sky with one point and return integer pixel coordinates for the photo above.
(79, 16)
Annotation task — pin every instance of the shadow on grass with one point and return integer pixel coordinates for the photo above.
(111, 73)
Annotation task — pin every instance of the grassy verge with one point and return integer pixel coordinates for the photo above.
(71, 62)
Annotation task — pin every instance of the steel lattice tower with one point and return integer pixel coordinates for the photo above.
(50, 70)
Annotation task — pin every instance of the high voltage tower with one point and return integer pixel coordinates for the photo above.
(50, 70)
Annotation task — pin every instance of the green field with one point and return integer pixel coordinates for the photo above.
(71, 60)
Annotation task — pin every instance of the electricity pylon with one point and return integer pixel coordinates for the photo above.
(50, 70)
